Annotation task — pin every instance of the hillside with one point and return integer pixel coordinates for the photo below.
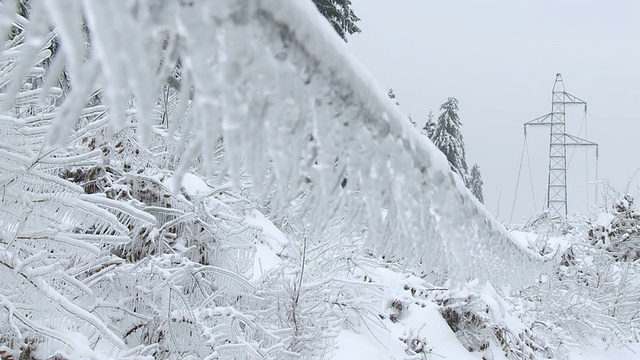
(221, 180)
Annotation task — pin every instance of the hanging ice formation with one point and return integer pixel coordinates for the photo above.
(271, 80)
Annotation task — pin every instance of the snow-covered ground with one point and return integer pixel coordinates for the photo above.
(420, 318)
(272, 243)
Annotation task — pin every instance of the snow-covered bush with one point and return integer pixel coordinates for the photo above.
(417, 347)
(107, 250)
(590, 295)
(618, 233)
(99, 255)
(484, 321)
(317, 289)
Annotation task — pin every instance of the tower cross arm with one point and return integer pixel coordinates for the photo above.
(572, 99)
(541, 120)
(546, 119)
(572, 140)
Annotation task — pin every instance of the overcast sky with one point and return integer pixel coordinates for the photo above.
(499, 58)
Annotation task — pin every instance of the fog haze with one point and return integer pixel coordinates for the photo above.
(499, 58)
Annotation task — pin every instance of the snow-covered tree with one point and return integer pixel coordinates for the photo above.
(392, 95)
(618, 232)
(413, 122)
(430, 126)
(475, 183)
(340, 15)
(448, 137)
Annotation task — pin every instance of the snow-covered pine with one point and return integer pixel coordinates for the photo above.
(340, 16)
(448, 138)
(475, 183)
(430, 126)
(392, 95)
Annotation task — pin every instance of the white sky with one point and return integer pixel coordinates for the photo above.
(499, 58)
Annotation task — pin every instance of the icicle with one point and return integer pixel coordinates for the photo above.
(67, 116)
(34, 41)
(66, 15)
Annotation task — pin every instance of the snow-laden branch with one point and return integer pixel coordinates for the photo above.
(270, 80)
(356, 134)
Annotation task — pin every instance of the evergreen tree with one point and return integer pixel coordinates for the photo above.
(392, 96)
(448, 138)
(430, 126)
(475, 183)
(413, 122)
(340, 15)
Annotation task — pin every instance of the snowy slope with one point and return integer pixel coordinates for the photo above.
(420, 318)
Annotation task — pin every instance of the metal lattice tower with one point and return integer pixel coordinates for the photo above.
(558, 142)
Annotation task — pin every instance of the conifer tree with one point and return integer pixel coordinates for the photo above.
(475, 183)
(448, 138)
(340, 15)
(430, 126)
(392, 96)
(413, 122)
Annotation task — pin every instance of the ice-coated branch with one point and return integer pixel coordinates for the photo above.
(270, 80)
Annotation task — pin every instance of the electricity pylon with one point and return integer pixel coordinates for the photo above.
(559, 140)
